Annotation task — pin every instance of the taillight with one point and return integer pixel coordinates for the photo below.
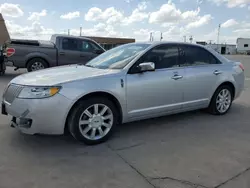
(241, 66)
(10, 51)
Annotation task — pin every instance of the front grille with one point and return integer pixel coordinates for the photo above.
(12, 92)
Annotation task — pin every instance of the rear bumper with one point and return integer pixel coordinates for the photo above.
(240, 81)
(38, 116)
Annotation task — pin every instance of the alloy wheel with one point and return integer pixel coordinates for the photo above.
(96, 121)
(223, 100)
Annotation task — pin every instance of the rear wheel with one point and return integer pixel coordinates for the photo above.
(221, 101)
(36, 64)
(93, 121)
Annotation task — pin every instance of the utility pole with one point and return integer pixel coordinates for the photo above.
(191, 39)
(161, 37)
(151, 37)
(185, 38)
(218, 38)
(68, 31)
(80, 31)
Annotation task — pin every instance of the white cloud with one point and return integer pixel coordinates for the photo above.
(100, 29)
(11, 10)
(174, 33)
(200, 21)
(113, 16)
(33, 31)
(70, 15)
(169, 15)
(136, 16)
(229, 23)
(110, 15)
(232, 3)
(142, 5)
(35, 16)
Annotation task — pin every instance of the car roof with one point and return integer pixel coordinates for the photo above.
(169, 42)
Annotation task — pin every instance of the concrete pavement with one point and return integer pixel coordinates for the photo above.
(189, 150)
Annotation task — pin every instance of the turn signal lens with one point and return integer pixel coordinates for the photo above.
(53, 91)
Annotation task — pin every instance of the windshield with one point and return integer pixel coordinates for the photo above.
(117, 58)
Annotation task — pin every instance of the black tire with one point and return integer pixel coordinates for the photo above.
(212, 109)
(35, 60)
(75, 115)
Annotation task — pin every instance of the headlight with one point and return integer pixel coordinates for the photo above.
(38, 92)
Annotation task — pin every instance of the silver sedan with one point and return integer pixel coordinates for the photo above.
(131, 82)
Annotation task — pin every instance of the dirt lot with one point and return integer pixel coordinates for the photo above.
(190, 150)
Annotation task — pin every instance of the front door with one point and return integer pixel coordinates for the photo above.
(203, 72)
(89, 50)
(155, 93)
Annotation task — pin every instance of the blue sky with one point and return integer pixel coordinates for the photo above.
(129, 18)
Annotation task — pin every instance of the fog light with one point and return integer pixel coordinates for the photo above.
(24, 122)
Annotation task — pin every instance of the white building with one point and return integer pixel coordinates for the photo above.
(223, 48)
(243, 45)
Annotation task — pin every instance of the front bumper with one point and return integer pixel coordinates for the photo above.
(39, 116)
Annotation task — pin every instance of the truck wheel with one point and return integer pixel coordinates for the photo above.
(36, 64)
(93, 120)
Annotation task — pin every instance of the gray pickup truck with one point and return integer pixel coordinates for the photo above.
(60, 50)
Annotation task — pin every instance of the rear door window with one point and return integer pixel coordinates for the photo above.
(195, 56)
(70, 44)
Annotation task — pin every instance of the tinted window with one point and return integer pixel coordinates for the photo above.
(191, 56)
(164, 56)
(70, 44)
(245, 45)
(88, 46)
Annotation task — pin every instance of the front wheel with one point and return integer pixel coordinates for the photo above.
(221, 100)
(93, 121)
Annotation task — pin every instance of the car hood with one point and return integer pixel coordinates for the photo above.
(58, 75)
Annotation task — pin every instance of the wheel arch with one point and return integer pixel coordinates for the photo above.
(230, 84)
(103, 94)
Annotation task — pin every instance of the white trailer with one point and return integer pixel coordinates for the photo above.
(243, 45)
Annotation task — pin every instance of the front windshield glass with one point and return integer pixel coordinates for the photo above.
(117, 58)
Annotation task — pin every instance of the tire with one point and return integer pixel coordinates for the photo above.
(36, 64)
(84, 132)
(215, 107)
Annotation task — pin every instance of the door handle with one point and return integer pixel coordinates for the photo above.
(62, 53)
(216, 72)
(177, 77)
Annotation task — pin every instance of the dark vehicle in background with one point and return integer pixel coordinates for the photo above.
(60, 50)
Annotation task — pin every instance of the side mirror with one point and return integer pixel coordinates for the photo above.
(147, 66)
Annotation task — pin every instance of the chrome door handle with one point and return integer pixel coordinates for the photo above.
(177, 77)
(216, 72)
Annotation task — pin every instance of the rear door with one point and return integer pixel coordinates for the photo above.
(203, 72)
(68, 52)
